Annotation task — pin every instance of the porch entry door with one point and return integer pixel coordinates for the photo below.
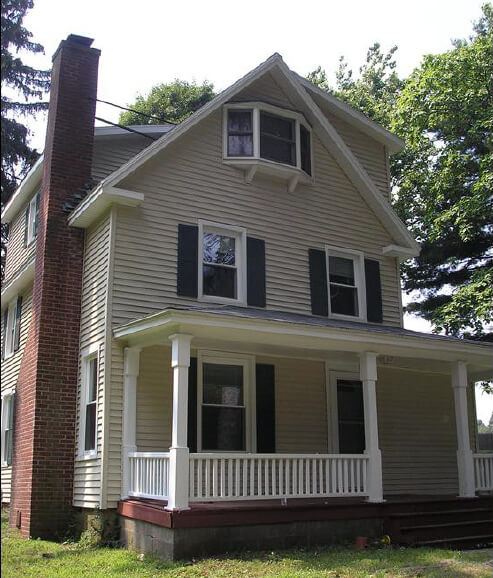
(351, 417)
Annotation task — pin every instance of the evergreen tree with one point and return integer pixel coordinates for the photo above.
(22, 90)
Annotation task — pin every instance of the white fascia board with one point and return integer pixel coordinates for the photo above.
(99, 201)
(26, 190)
(101, 131)
(18, 283)
(393, 143)
(191, 121)
(397, 251)
(285, 333)
(353, 168)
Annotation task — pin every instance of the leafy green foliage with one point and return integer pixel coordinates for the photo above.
(168, 102)
(25, 81)
(443, 181)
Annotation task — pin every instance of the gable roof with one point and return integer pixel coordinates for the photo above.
(321, 125)
(33, 178)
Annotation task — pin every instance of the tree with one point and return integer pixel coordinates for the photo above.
(168, 102)
(21, 80)
(442, 182)
(445, 178)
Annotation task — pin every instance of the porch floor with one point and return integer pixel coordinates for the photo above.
(239, 513)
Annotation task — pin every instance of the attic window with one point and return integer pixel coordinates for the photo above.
(261, 137)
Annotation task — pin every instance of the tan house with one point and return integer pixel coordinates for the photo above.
(202, 331)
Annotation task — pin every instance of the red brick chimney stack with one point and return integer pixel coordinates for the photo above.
(43, 460)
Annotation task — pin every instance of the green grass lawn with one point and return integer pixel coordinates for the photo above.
(40, 558)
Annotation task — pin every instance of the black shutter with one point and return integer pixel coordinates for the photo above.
(266, 408)
(17, 327)
(4, 331)
(373, 291)
(255, 272)
(26, 225)
(192, 405)
(187, 273)
(318, 282)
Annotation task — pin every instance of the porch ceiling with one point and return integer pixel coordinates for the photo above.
(269, 331)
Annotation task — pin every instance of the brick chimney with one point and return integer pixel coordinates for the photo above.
(44, 446)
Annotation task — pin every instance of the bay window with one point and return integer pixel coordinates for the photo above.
(261, 137)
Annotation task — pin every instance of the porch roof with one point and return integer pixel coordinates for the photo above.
(219, 325)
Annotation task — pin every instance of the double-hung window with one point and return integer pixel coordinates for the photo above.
(32, 220)
(345, 271)
(240, 133)
(89, 397)
(11, 329)
(224, 403)
(7, 428)
(277, 138)
(222, 263)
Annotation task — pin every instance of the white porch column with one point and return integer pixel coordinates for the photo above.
(465, 462)
(368, 376)
(131, 359)
(179, 454)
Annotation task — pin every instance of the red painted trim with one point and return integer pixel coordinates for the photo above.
(205, 515)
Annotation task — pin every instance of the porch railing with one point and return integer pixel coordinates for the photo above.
(148, 475)
(215, 477)
(483, 471)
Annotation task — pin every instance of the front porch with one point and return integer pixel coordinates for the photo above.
(215, 410)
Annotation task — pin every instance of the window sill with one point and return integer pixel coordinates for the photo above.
(221, 300)
(347, 317)
(86, 457)
(286, 173)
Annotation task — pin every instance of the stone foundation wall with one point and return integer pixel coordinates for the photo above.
(183, 543)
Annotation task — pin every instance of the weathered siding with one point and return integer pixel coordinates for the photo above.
(10, 372)
(416, 420)
(87, 478)
(188, 182)
(17, 255)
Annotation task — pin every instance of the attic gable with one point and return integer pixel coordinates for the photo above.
(275, 71)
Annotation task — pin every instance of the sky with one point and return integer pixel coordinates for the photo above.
(154, 41)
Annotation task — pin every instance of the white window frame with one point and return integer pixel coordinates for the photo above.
(7, 406)
(239, 234)
(31, 221)
(88, 354)
(10, 329)
(249, 397)
(358, 259)
(257, 108)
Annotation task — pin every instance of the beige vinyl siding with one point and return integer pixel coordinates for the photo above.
(370, 153)
(111, 152)
(87, 476)
(114, 421)
(154, 400)
(10, 372)
(188, 182)
(265, 89)
(17, 255)
(416, 420)
(301, 405)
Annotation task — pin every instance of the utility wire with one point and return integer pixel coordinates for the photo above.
(125, 128)
(136, 111)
